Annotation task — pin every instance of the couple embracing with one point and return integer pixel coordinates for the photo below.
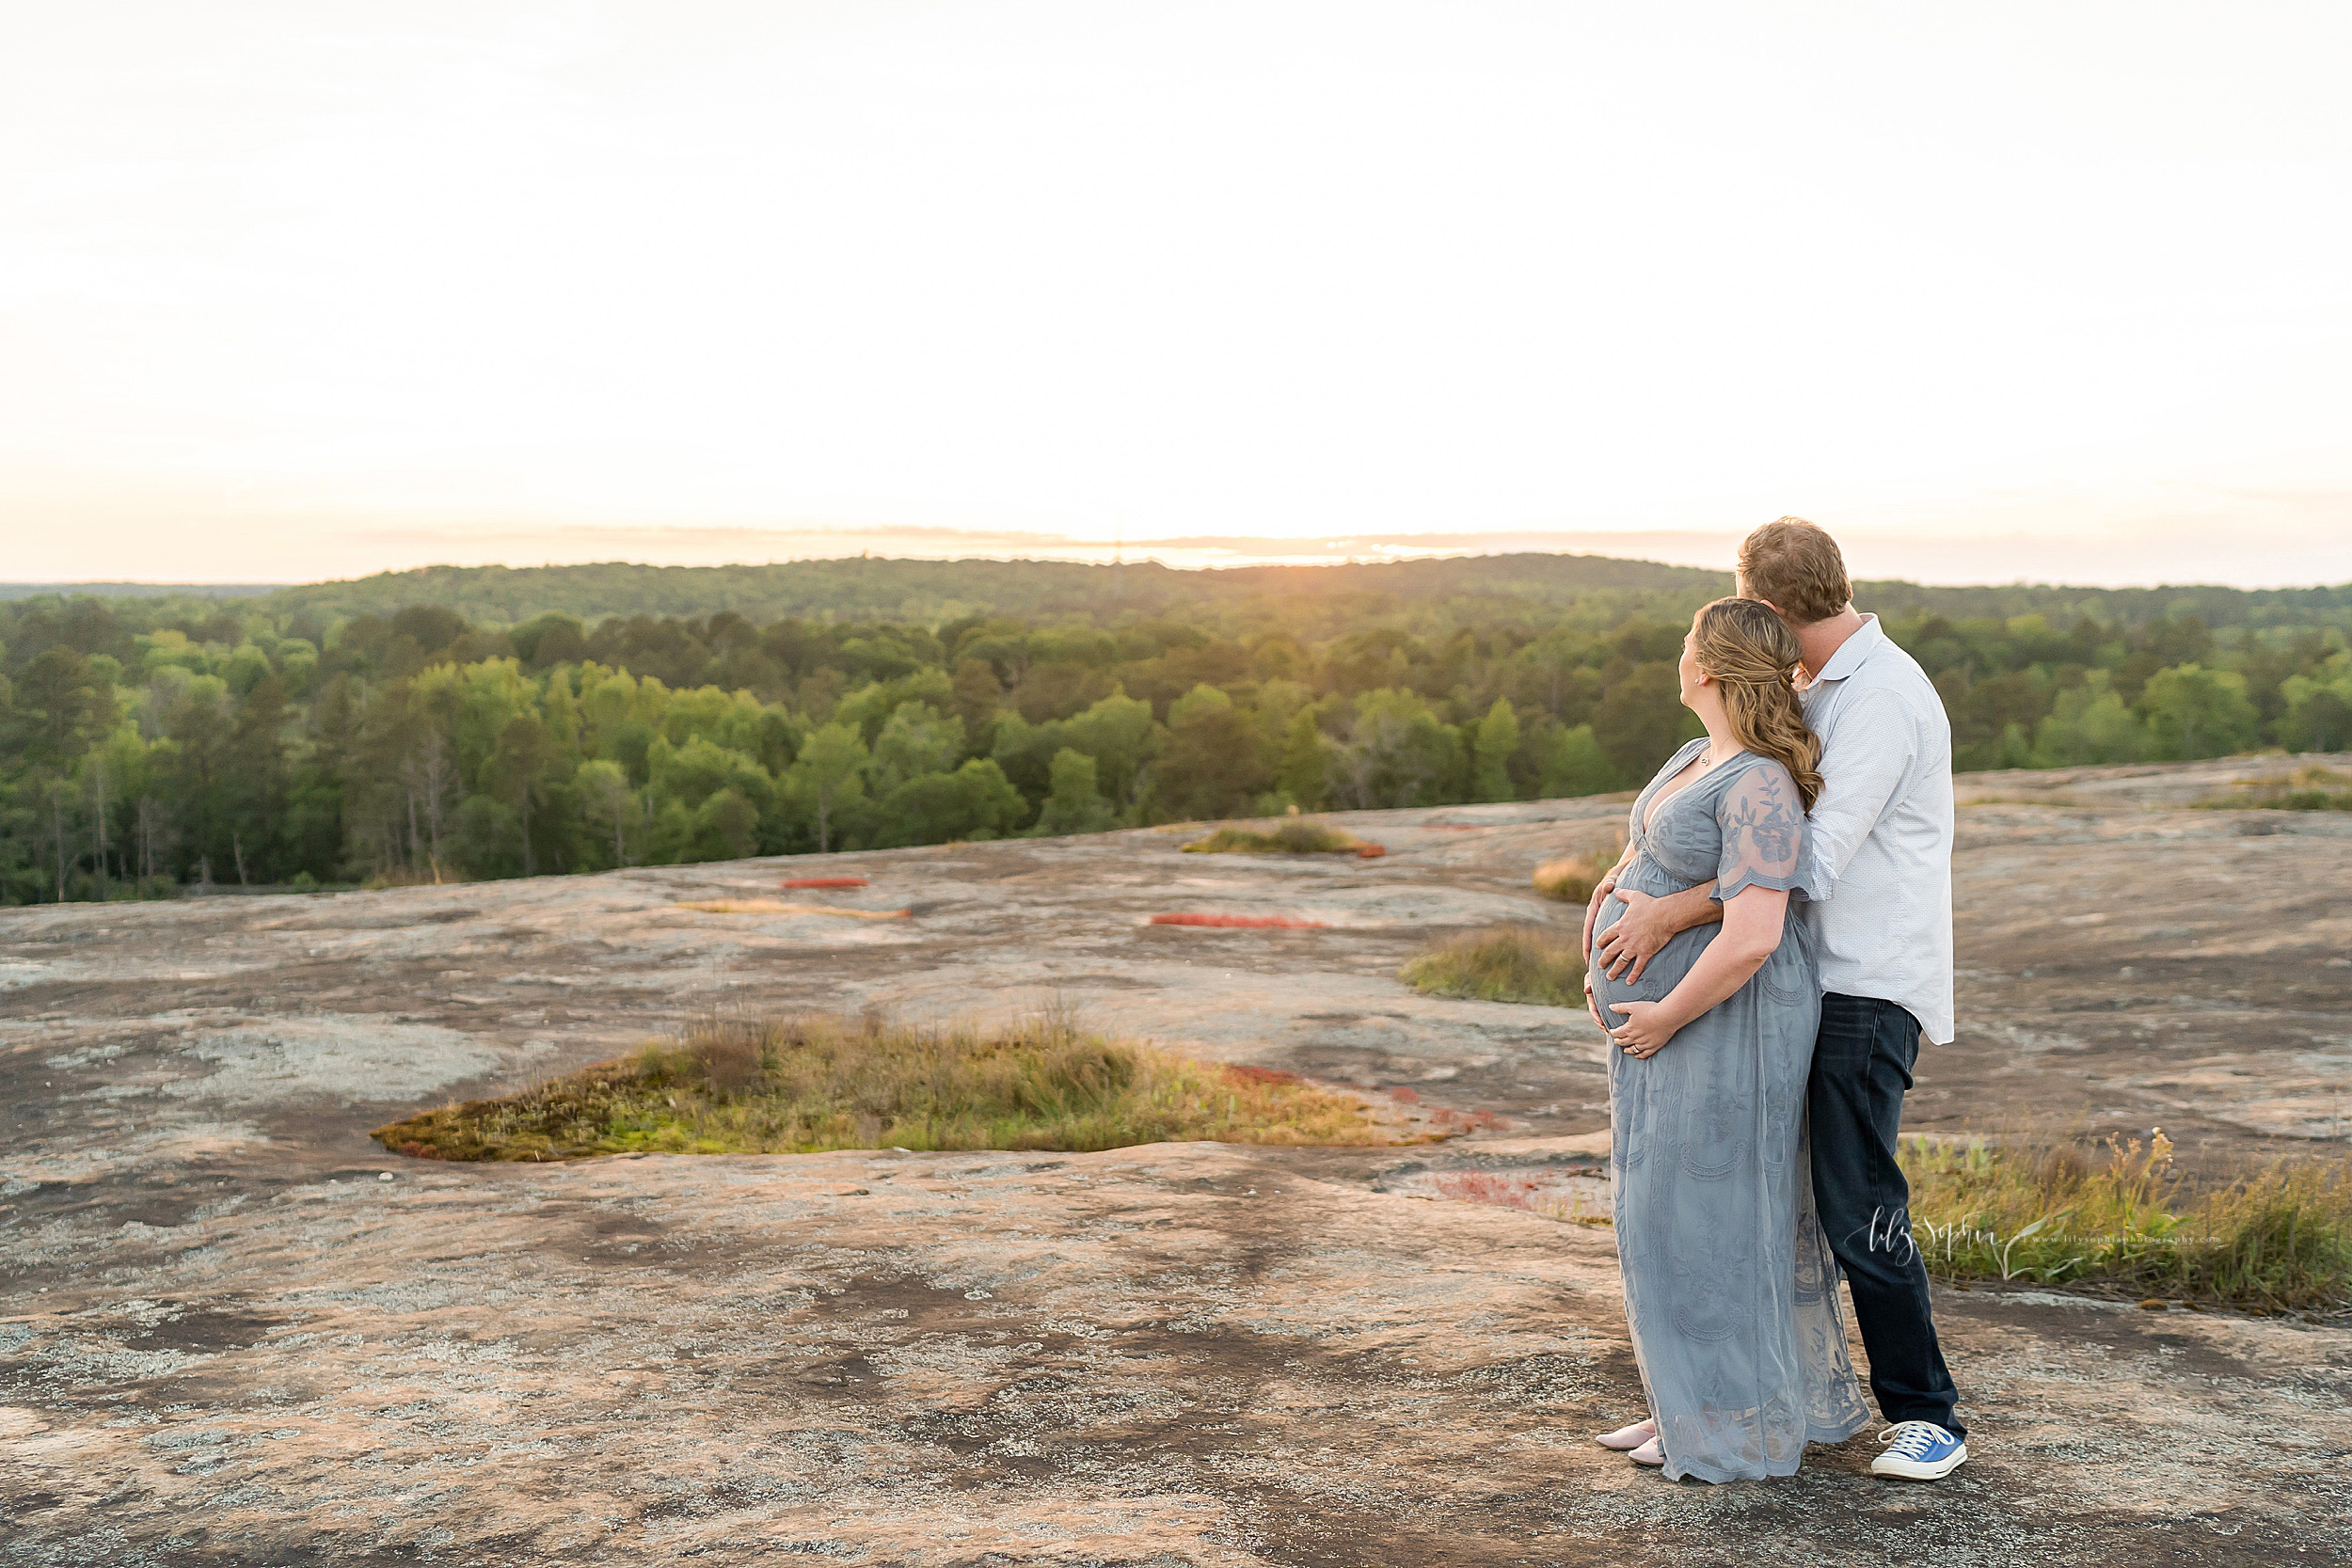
(1765, 956)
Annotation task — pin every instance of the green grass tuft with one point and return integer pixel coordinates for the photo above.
(2276, 1240)
(1512, 963)
(1297, 837)
(801, 1084)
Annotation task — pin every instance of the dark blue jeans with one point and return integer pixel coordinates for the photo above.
(1861, 1064)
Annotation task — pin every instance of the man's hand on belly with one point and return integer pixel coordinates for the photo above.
(1648, 925)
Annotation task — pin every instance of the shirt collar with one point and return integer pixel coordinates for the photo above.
(1851, 652)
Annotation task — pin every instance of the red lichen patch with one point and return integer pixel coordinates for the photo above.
(1239, 922)
(1403, 1096)
(1558, 1195)
(1241, 1072)
(1479, 1186)
(1370, 852)
(827, 881)
(1468, 1121)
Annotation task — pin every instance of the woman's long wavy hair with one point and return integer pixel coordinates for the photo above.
(1752, 654)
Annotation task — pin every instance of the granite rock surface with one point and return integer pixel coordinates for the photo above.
(233, 1330)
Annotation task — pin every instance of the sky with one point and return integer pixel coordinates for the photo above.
(304, 289)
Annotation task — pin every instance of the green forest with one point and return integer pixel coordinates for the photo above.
(457, 723)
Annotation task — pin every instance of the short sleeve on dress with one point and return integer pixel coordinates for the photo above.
(1762, 819)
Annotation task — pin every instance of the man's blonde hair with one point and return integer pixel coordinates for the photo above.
(1798, 567)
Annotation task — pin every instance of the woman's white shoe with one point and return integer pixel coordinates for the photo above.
(1626, 1438)
(1648, 1453)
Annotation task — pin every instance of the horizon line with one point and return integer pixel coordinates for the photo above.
(151, 586)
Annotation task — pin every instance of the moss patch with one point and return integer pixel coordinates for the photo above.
(801, 1084)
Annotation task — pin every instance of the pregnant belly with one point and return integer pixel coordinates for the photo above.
(1662, 973)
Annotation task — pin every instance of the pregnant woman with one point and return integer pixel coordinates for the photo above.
(1730, 1289)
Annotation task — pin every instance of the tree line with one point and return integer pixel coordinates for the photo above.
(1422, 596)
(153, 744)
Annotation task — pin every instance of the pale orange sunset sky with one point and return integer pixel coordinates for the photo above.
(301, 290)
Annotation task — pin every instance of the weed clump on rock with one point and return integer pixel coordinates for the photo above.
(2305, 789)
(1571, 878)
(1513, 963)
(802, 1085)
(1299, 837)
(2053, 1214)
(1570, 881)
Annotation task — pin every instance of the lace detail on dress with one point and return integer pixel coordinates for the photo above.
(1762, 819)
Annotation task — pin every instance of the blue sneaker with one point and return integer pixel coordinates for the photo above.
(1918, 1450)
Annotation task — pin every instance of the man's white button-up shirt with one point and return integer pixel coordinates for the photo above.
(1879, 843)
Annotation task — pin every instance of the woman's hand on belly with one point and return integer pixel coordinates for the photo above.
(1612, 991)
(1649, 1026)
(1754, 924)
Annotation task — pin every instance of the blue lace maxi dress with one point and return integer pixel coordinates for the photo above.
(1730, 1289)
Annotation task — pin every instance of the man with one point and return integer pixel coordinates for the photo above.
(1878, 885)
